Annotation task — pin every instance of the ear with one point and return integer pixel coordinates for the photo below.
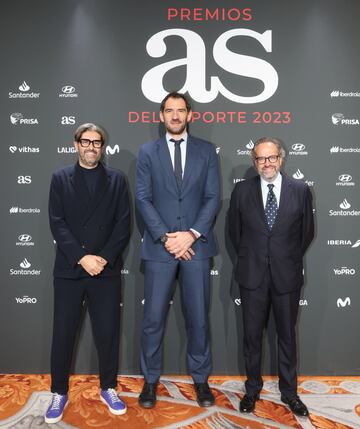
(161, 116)
(76, 146)
(189, 115)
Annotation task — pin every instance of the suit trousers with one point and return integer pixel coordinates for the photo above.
(256, 305)
(102, 295)
(195, 295)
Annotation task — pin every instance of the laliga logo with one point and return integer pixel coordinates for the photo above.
(196, 81)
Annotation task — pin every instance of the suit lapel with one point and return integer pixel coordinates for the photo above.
(192, 158)
(284, 200)
(258, 201)
(166, 164)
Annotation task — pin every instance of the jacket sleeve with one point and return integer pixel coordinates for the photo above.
(143, 198)
(234, 219)
(120, 234)
(308, 221)
(211, 197)
(65, 239)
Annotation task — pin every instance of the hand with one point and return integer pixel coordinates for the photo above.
(187, 256)
(179, 243)
(92, 264)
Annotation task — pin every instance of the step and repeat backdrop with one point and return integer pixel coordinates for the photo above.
(252, 69)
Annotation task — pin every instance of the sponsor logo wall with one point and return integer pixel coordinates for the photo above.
(245, 80)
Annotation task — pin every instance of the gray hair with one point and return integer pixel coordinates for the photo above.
(277, 142)
(90, 127)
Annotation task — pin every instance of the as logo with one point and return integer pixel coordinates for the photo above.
(203, 88)
(24, 180)
(68, 120)
(343, 302)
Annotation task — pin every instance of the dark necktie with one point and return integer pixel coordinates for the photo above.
(271, 207)
(177, 162)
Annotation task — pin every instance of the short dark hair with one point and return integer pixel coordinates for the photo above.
(277, 142)
(89, 127)
(175, 94)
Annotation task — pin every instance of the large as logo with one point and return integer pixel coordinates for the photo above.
(196, 82)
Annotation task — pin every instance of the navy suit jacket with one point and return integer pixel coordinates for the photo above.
(81, 225)
(166, 209)
(283, 247)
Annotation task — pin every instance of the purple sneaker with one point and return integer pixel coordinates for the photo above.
(110, 398)
(55, 411)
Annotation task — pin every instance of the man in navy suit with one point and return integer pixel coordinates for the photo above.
(89, 219)
(177, 195)
(271, 225)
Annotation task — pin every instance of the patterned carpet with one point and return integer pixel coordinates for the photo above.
(333, 403)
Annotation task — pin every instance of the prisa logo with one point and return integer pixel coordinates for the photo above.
(196, 80)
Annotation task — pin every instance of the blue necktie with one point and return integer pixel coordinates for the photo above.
(271, 207)
(177, 162)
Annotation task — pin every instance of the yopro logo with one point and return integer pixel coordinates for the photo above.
(344, 271)
(26, 300)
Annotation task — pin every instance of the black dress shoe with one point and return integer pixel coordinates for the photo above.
(247, 404)
(147, 398)
(204, 396)
(296, 406)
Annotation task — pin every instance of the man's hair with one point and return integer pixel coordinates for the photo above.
(175, 94)
(277, 142)
(90, 127)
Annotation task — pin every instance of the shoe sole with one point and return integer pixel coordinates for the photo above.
(55, 419)
(147, 405)
(112, 411)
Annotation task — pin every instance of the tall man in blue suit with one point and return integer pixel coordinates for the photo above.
(89, 219)
(271, 225)
(177, 195)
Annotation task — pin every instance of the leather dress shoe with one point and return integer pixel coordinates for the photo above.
(296, 406)
(247, 404)
(147, 398)
(204, 396)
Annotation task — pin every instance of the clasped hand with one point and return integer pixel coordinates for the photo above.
(93, 264)
(179, 244)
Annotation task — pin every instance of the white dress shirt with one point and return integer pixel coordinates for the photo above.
(277, 189)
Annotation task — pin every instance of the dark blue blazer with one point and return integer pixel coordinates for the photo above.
(81, 225)
(164, 208)
(283, 247)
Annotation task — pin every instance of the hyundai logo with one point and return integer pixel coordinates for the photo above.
(298, 147)
(24, 237)
(68, 89)
(345, 178)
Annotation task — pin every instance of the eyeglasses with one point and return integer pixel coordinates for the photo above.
(262, 159)
(86, 143)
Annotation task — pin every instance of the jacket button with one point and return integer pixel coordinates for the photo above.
(83, 246)
(180, 199)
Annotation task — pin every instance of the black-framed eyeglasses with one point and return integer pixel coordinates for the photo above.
(86, 143)
(262, 159)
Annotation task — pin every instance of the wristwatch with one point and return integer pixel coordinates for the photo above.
(164, 239)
